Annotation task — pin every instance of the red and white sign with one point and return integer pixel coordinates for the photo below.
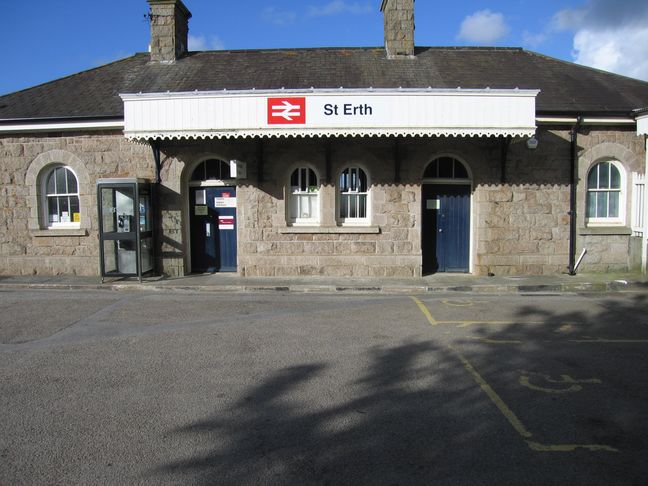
(226, 222)
(287, 111)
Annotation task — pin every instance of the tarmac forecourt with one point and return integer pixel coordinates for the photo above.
(554, 391)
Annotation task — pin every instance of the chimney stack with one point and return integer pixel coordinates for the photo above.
(399, 28)
(169, 30)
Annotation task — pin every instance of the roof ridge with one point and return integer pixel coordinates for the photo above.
(583, 66)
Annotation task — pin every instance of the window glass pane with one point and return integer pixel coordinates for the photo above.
(363, 181)
(432, 170)
(75, 216)
(445, 167)
(344, 181)
(294, 180)
(362, 203)
(199, 173)
(60, 181)
(353, 206)
(51, 183)
(224, 170)
(591, 204)
(604, 176)
(592, 179)
(601, 204)
(312, 178)
(305, 206)
(460, 171)
(52, 209)
(344, 207)
(212, 171)
(71, 182)
(303, 180)
(615, 178)
(614, 205)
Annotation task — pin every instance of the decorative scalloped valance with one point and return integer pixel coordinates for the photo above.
(329, 113)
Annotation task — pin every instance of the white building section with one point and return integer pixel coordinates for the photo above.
(642, 130)
(314, 113)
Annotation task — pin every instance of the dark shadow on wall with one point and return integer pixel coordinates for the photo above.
(416, 416)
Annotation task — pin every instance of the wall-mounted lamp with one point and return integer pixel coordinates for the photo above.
(532, 143)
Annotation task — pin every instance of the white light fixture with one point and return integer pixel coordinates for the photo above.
(532, 143)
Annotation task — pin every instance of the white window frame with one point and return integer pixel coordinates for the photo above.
(620, 219)
(297, 195)
(351, 193)
(45, 197)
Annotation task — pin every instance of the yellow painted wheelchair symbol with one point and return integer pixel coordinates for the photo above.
(461, 302)
(547, 384)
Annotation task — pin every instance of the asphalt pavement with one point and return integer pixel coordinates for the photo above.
(246, 388)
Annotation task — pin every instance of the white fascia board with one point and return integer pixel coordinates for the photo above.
(28, 127)
(642, 125)
(330, 112)
(560, 120)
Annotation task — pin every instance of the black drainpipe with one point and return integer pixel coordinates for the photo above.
(572, 197)
(158, 164)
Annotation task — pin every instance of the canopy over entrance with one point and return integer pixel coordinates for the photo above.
(330, 113)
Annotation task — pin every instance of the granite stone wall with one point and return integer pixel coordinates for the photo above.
(519, 217)
(26, 246)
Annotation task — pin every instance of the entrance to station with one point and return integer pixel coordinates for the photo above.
(446, 228)
(445, 223)
(213, 229)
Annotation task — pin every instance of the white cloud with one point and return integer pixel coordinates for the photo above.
(609, 35)
(339, 7)
(200, 43)
(483, 27)
(281, 18)
(622, 51)
(534, 40)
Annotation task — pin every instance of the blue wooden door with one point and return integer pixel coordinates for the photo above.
(213, 229)
(446, 228)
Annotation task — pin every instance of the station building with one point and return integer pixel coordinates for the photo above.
(385, 161)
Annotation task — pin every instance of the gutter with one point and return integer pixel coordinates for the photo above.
(60, 124)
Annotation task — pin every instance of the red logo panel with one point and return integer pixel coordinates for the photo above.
(286, 111)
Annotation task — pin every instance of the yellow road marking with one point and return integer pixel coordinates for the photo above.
(609, 341)
(537, 446)
(510, 416)
(462, 303)
(495, 398)
(425, 311)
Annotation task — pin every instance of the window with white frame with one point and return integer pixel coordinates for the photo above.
(353, 196)
(605, 204)
(304, 196)
(61, 198)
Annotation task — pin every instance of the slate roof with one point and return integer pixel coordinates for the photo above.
(565, 87)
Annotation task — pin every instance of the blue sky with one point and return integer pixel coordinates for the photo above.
(46, 39)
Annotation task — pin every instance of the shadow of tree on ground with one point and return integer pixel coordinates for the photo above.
(416, 416)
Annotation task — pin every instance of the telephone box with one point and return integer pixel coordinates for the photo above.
(126, 233)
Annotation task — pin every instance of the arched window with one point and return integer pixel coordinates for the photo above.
(61, 198)
(353, 192)
(604, 194)
(446, 168)
(304, 196)
(211, 170)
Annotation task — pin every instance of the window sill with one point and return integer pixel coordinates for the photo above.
(59, 232)
(605, 231)
(332, 230)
